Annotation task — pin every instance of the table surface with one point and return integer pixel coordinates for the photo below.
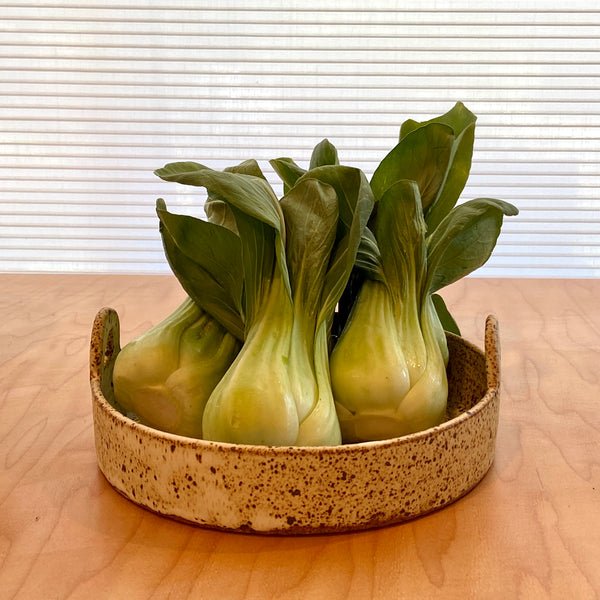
(530, 529)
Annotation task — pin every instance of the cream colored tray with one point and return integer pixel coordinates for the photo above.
(285, 490)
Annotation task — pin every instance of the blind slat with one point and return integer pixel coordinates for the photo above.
(94, 97)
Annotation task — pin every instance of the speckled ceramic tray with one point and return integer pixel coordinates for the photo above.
(283, 490)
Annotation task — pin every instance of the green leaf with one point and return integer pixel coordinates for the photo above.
(171, 171)
(289, 172)
(206, 259)
(247, 167)
(311, 213)
(464, 240)
(250, 194)
(422, 156)
(455, 179)
(220, 212)
(259, 221)
(368, 256)
(401, 239)
(459, 117)
(258, 241)
(355, 198)
(355, 204)
(446, 319)
(324, 153)
(462, 121)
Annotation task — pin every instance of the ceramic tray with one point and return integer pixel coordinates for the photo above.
(287, 490)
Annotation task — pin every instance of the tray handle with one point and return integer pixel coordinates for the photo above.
(492, 353)
(105, 345)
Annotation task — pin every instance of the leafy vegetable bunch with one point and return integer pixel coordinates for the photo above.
(314, 319)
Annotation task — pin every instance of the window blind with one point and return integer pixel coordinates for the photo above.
(94, 97)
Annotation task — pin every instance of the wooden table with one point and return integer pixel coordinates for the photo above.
(531, 529)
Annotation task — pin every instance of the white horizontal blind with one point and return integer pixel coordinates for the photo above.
(96, 95)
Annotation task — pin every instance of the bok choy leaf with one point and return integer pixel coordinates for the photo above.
(205, 258)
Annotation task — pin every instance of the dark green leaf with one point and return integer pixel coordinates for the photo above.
(459, 117)
(311, 213)
(368, 256)
(220, 212)
(289, 172)
(464, 240)
(249, 193)
(206, 259)
(355, 198)
(170, 171)
(262, 231)
(456, 178)
(422, 156)
(258, 241)
(401, 238)
(355, 203)
(247, 167)
(462, 121)
(446, 319)
(324, 153)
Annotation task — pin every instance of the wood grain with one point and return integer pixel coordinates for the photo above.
(531, 529)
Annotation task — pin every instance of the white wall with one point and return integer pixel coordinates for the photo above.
(94, 97)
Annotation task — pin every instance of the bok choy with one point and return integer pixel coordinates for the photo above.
(314, 318)
(164, 377)
(388, 368)
(296, 256)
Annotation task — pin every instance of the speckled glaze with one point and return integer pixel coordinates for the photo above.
(284, 490)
